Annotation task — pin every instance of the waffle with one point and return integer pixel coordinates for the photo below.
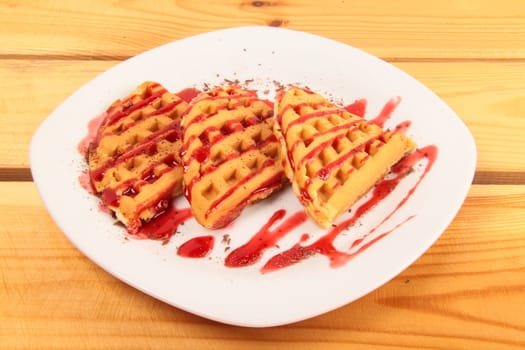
(230, 154)
(134, 160)
(332, 157)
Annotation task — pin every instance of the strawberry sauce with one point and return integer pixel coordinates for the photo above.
(93, 126)
(165, 224)
(188, 94)
(265, 238)
(197, 247)
(325, 244)
(85, 181)
(387, 111)
(358, 107)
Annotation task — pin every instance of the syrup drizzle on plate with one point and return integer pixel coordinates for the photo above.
(165, 224)
(325, 244)
(252, 251)
(197, 247)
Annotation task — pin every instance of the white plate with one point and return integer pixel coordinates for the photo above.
(245, 296)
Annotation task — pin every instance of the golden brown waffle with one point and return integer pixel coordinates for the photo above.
(134, 160)
(230, 154)
(332, 157)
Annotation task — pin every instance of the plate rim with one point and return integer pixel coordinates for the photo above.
(36, 141)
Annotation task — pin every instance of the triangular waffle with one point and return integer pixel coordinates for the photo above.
(331, 157)
(134, 161)
(230, 154)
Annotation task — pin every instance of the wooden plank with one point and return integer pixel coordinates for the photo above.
(485, 95)
(465, 292)
(32, 90)
(490, 99)
(400, 29)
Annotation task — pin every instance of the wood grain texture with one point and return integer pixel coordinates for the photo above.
(466, 292)
(489, 97)
(468, 288)
(33, 89)
(400, 29)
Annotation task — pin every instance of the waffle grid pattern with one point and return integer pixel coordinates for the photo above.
(229, 151)
(134, 161)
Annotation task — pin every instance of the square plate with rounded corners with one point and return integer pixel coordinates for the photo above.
(262, 58)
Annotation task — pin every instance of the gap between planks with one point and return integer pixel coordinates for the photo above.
(394, 59)
(480, 178)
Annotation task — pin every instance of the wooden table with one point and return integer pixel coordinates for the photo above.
(466, 292)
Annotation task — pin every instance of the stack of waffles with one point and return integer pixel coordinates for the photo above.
(227, 149)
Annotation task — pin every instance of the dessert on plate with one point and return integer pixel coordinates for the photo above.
(330, 156)
(134, 161)
(230, 155)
